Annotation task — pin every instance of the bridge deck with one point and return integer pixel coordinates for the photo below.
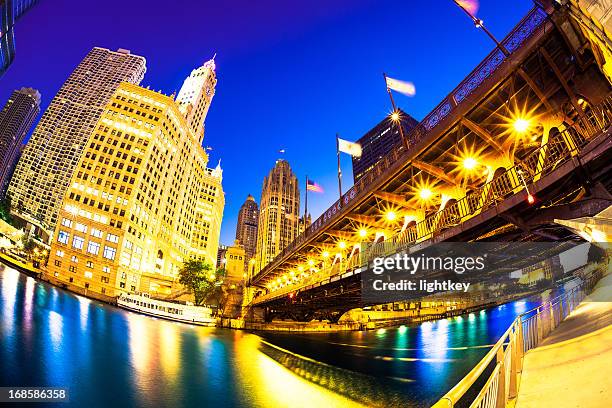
(569, 368)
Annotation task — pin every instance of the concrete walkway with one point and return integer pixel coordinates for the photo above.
(571, 368)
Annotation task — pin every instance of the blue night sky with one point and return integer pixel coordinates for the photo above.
(291, 73)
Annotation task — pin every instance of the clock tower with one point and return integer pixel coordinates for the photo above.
(195, 96)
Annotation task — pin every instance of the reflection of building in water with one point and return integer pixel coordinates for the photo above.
(549, 269)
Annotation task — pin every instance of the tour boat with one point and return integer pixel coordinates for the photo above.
(185, 313)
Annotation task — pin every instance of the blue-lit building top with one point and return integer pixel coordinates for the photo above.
(10, 11)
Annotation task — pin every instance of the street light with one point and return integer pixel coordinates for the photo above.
(469, 163)
(390, 215)
(425, 194)
(363, 232)
(342, 245)
(395, 116)
(521, 125)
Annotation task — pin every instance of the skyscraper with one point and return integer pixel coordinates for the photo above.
(16, 119)
(195, 96)
(140, 203)
(246, 229)
(10, 11)
(378, 142)
(279, 213)
(50, 157)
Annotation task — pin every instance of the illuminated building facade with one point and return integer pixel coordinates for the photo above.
(378, 142)
(233, 263)
(246, 228)
(49, 159)
(209, 214)
(130, 213)
(279, 213)
(16, 119)
(195, 96)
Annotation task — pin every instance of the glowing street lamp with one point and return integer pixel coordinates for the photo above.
(521, 125)
(425, 194)
(395, 116)
(363, 232)
(342, 245)
(469, 163)
(325, 254)
(390, 215)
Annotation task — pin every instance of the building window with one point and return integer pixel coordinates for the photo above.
(72, 268)
(66, 222)
(93, 248)
(63, 237)
(104, 279)
(105, 269)
(96, 233)
(90, 264)
(122, 285)
(77, 242)
(58, 263)
(112, 238)
(74, 259)
(88, 275)
(81, 228)
(59, 253)
(109, 252)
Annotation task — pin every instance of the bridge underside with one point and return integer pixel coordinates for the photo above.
(522, 141)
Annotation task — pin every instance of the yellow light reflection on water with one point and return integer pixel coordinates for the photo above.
(170, 343)
(268, 384)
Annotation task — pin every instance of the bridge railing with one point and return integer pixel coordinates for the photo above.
(506, 356)
(560, 148)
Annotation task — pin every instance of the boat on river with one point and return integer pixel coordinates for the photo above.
(179, 312)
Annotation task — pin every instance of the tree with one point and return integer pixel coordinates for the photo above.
(198, 277)
(5, 209)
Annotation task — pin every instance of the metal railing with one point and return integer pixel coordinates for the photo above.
(524, 30)
(525, 333)
(541, 162)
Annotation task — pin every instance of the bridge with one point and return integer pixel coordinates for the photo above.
(521, 142)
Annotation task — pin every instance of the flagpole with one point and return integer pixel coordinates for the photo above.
(306, 202)
(339, 170)
(399, 117)
(479, 24)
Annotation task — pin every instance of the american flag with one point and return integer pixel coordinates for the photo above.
(312, 186)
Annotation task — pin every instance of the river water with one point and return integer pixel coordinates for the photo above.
(109, 357)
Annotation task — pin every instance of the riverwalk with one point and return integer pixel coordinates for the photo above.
(570, 367)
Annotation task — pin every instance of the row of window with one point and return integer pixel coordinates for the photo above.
(66, 222)
(92, 246)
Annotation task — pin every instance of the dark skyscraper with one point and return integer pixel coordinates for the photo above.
(16, 119)
(246, 229)
(10, 11)
(378, 142)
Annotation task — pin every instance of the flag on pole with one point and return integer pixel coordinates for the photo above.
(312, 186)
(471, 6)
(354, 149)
(281, 151)
(403, 87)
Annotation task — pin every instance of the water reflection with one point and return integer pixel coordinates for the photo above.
(110, 357)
